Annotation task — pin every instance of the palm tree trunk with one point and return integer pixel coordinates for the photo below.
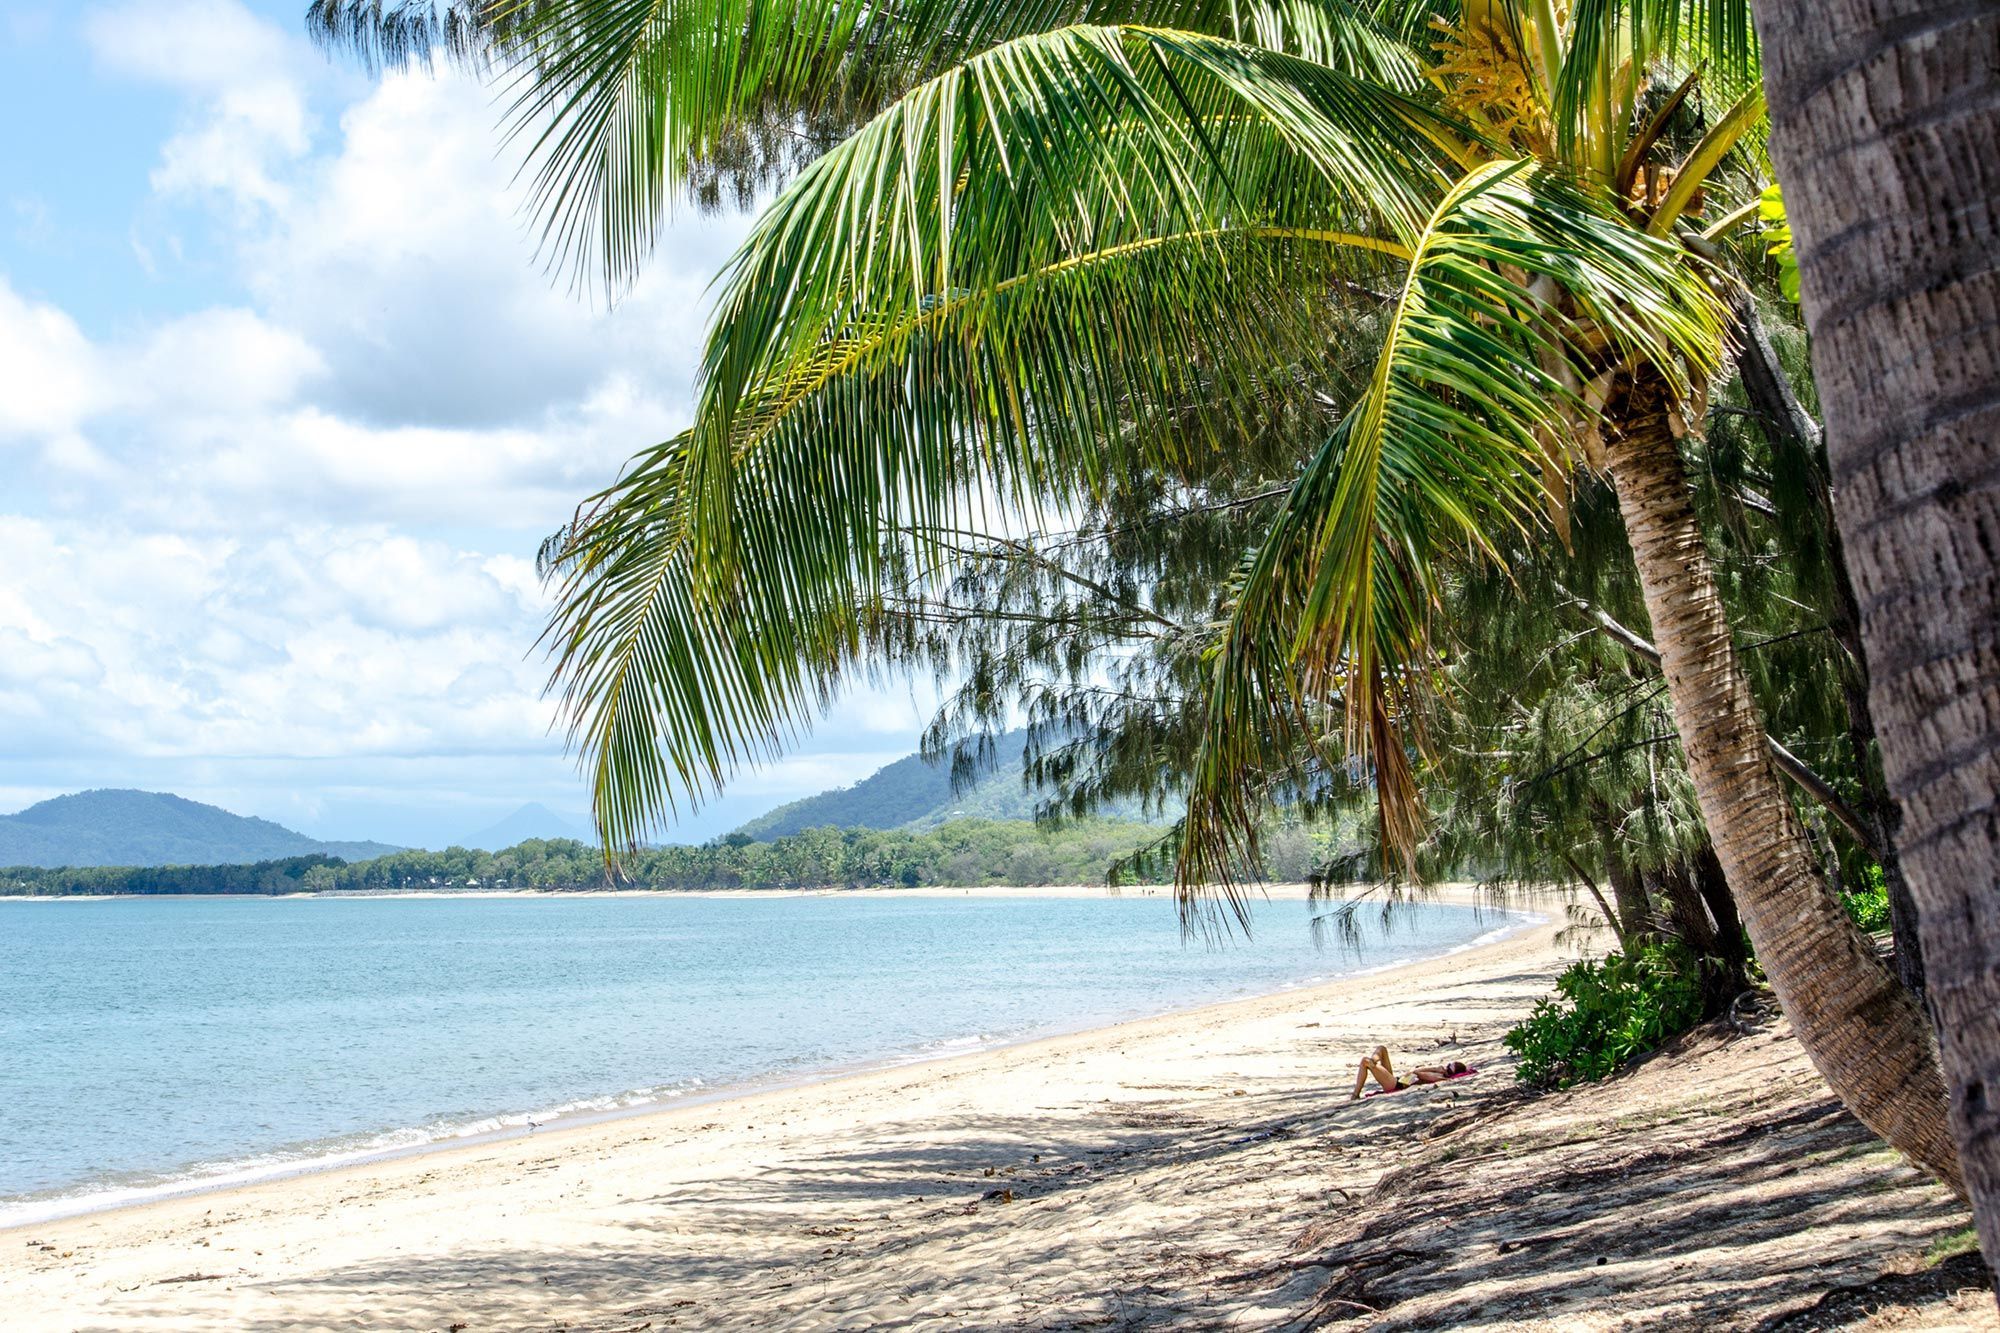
(1686, 909)
(1862, 1029)
(1885, 122)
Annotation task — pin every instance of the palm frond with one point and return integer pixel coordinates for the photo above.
(1385, 46)
(1052, 148)
(1440, 454)
(1079, 244)
(618, 104)
(643, 662)
(1693, 173)
(1613, 45)
(614, 99)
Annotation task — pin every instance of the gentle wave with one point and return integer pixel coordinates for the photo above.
(205, 1176)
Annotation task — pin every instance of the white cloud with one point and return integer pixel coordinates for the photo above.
(235, 150)
(408, 260)
(400, 583)
(403, 359)
(197, 46)
(325, 641)
(50, 378)
(244, 75)
(219, 362)
(307, 461)
(215, 363)
(73, 459)
(276, 552)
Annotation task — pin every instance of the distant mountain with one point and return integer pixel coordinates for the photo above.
(913, 792)
(150, 828)
(533, 820)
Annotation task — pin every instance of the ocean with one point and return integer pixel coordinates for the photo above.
(155, 1045)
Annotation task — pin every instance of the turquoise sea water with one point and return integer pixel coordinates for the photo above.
(155, 1044)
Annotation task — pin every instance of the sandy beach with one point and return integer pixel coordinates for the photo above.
(1202, 1169)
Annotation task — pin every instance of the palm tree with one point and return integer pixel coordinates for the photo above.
(1886, 134)
(1063, 251)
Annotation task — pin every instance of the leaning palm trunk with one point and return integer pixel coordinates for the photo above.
(1886, 134)
(1862, 1029)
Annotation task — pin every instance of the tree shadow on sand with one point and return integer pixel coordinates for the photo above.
(1681, 1194)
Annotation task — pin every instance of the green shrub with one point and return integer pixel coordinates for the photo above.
(1869, 905)
(1604, 1014)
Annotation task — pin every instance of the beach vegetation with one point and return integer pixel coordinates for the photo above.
(1951, 1246)
(292, 874)
(1868, 904)
(1608, 1012)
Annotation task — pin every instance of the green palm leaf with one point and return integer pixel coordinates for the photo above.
(1053, 152)
(612, 101)
(1079, 244)
(1081, 251)
(1443, 451)
(1614, 44)
(391, 34)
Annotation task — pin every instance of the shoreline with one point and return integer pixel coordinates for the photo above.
(1273, 892)
(1455, 893)
(1201, 1169)
(926, 1186)
(517, 1125)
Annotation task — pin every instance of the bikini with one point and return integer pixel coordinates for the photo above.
(1402, 1083)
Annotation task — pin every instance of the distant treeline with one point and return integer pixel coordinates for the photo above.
(967, 852)
(286, 876)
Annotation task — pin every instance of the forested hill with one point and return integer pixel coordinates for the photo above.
(960, 852)
(912, 792)
(146, 828)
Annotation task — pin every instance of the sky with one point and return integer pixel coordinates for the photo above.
(287, 402)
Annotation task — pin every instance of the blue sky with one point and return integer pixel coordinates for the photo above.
(286, 404)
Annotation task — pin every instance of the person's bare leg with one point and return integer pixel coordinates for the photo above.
(1378, 1065)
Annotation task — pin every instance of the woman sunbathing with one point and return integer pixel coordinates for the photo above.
(1385, 1073)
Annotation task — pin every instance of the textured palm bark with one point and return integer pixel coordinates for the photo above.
(1885, 122)
(1674, 885)
(1864, 1031)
